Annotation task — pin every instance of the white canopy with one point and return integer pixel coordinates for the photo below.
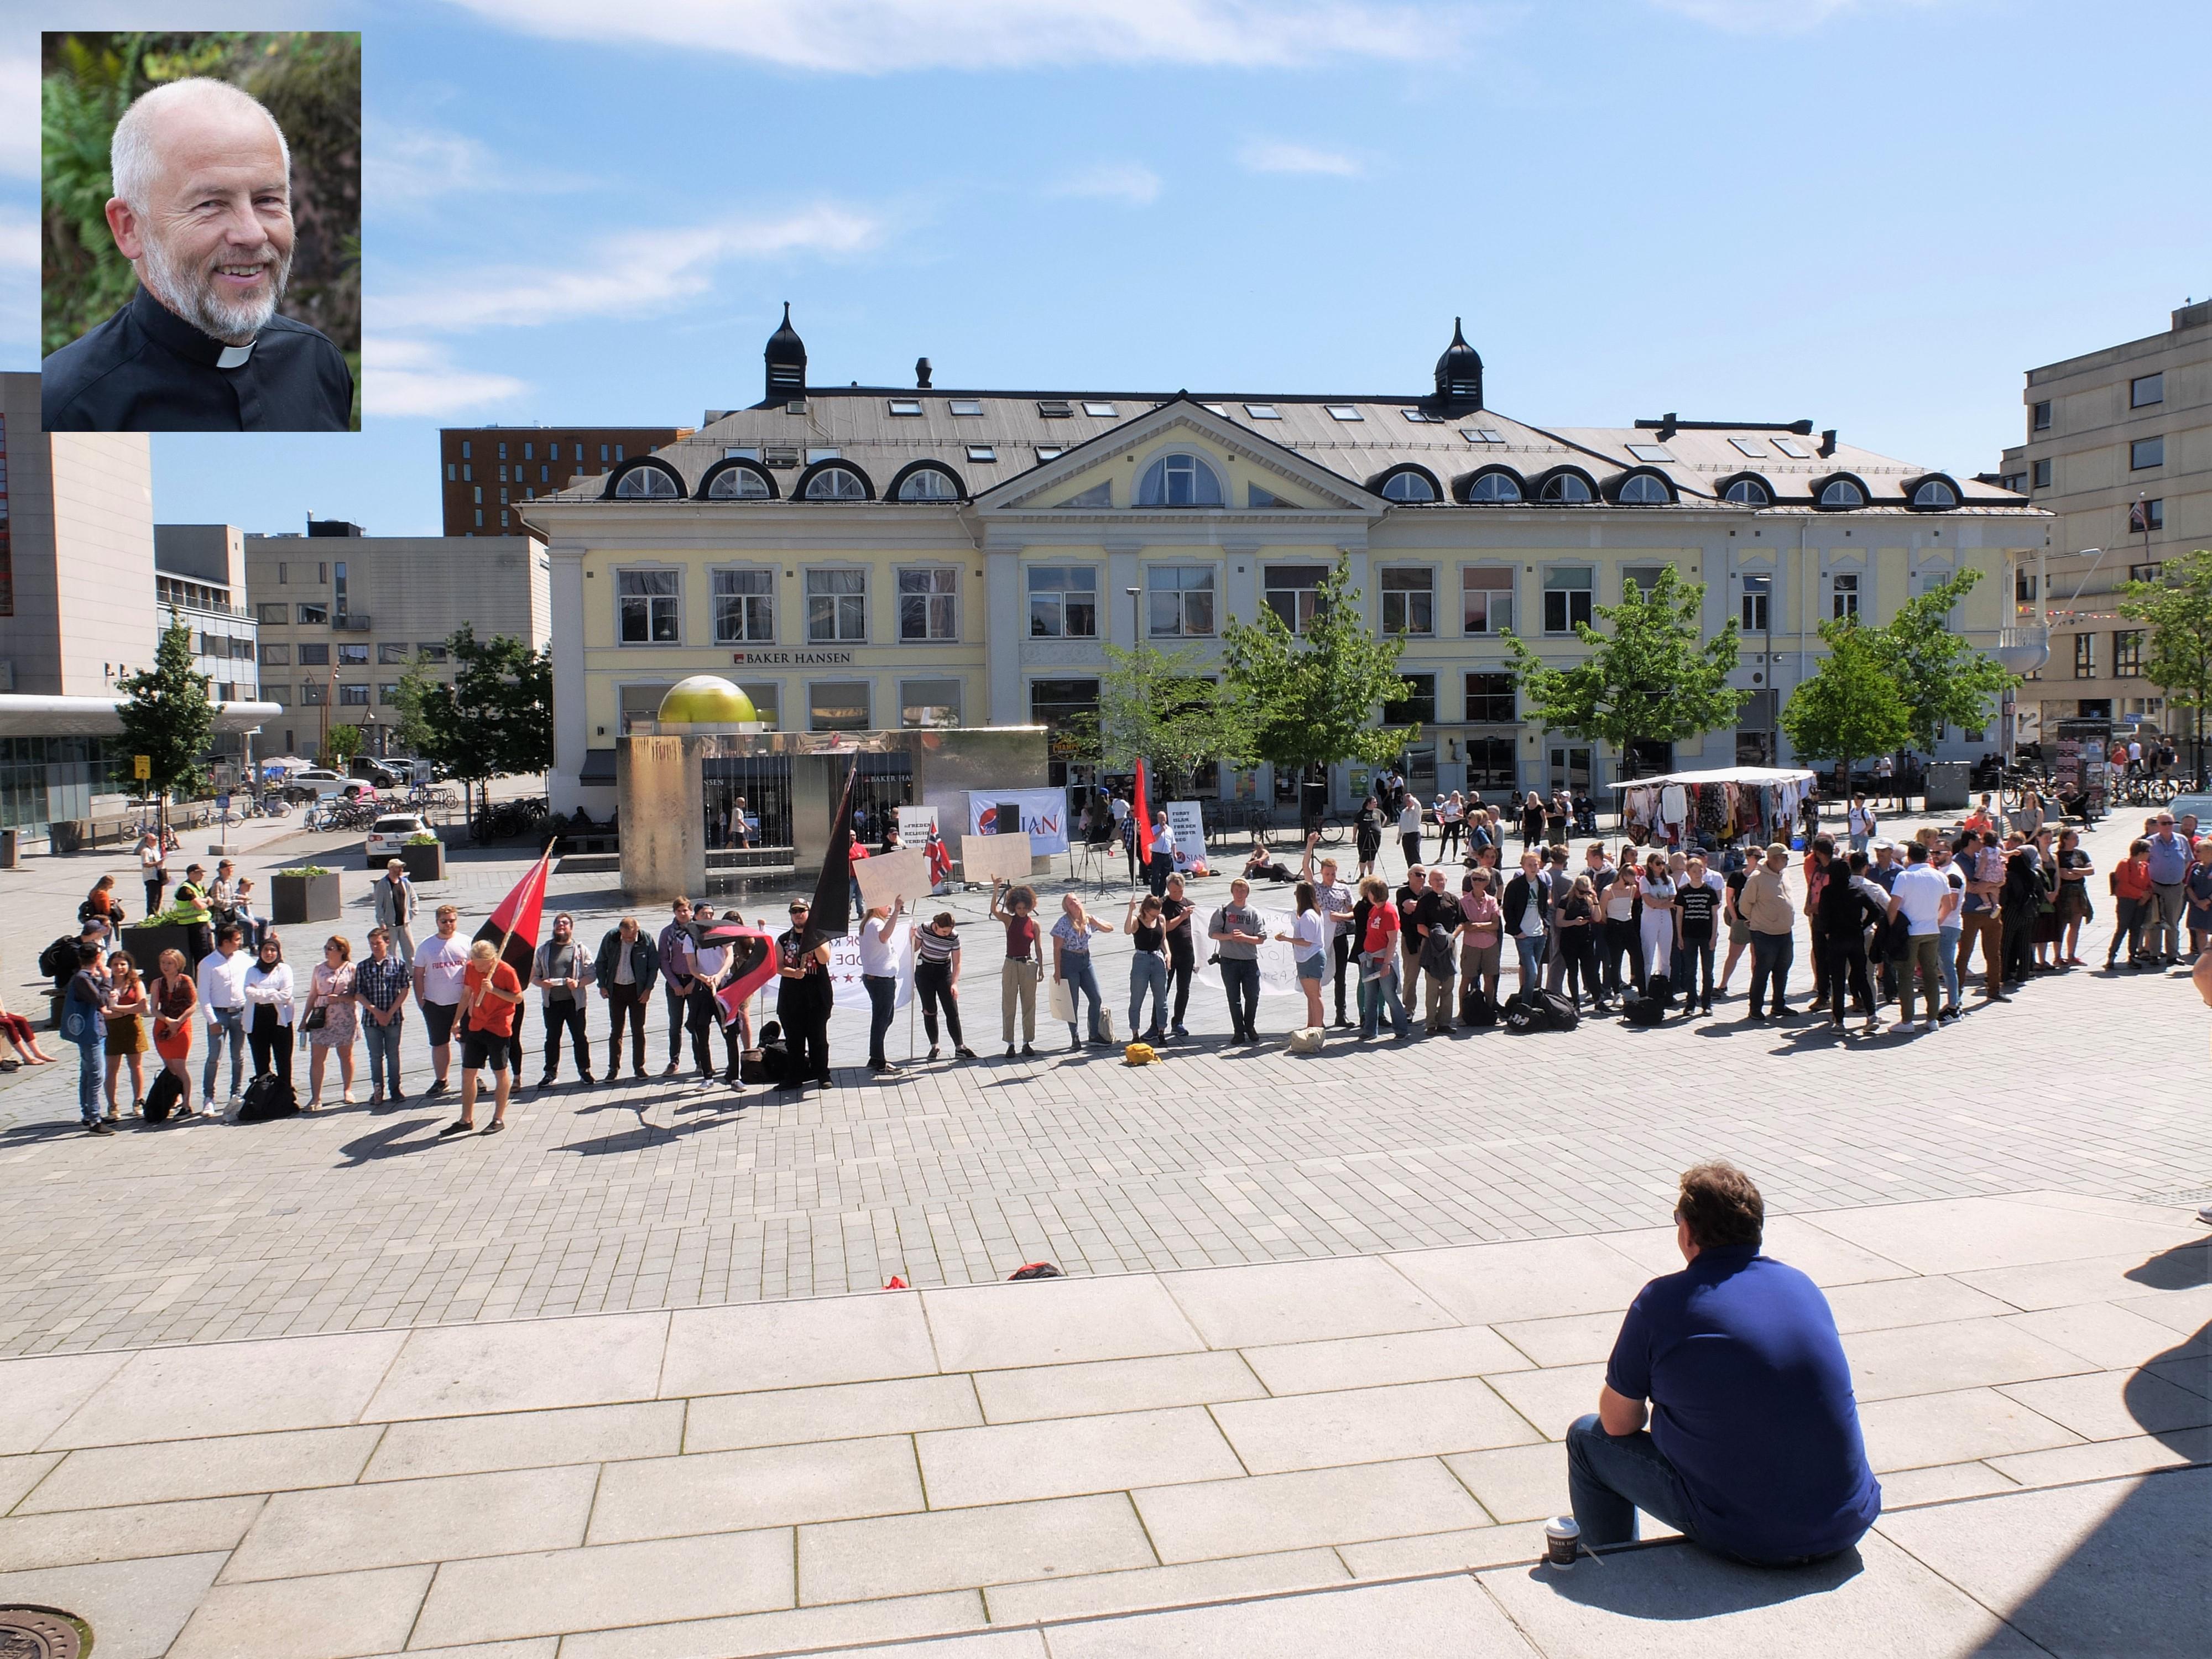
(1769, 775)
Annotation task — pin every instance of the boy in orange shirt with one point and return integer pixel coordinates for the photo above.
(489, 992)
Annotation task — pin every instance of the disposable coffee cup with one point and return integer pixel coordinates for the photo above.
(1562, 1539)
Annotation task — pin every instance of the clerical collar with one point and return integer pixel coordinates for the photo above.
(173, 332)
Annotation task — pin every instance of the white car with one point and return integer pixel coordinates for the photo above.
(390, 833)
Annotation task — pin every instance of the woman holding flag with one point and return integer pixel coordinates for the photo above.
(491, 994)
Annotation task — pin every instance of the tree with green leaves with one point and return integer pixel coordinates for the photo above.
(341, 743)
(1164, 706)
(495, 719)
(1850, 708)
(1944, 679)
(1307, 700)
(414, 730)
(167, 718)
(1653, 678)
(2176, 612)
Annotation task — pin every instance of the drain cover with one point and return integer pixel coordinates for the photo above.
(40, 1633)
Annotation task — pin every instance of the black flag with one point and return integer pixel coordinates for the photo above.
(832, 912)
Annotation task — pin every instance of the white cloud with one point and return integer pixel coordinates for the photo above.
(414, 164)
(1268, 156)
(19, 240)
(410, 377)
(624, 276)
(878, 37)
(1114, 181)
(19, 115)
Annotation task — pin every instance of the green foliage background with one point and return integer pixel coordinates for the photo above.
(311, 82)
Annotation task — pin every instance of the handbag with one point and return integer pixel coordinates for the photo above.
(315, 1019)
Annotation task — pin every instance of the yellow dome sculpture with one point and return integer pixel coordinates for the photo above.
(706, 700)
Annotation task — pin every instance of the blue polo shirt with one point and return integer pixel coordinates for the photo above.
(1751, 1401)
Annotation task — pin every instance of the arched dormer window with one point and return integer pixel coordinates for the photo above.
(834, 481)
(738, 481)
(1181, 479)
(1839, 494)
(1408, 482)
(1933, 494)
(1494, 486)
(927, 481)
(1566, 486)
(646, 480)
(1643, 489)
(1747, 490)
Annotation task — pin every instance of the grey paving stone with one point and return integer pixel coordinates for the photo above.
(1056, 1322)
(331, 1616)
(794, 1345)
(221, 1467)
(901, 1618)
(398, 1522)
(1356, 1426)
(1114, 1385)
(522, 1440)
(82, 1537)
(957, 1549)
(136, 1608)
(1265, 1514)
(1432, 1616)
(743, 1491)
(1064, 1457)
(833, 1412)
(526, 1366)
(1041, 1599)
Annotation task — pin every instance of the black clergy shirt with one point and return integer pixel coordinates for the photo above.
(146, 369)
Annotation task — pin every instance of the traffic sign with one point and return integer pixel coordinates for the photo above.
(141, 767)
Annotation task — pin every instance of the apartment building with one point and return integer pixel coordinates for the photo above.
(488, 471)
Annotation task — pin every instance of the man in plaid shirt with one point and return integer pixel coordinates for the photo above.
(381, 982)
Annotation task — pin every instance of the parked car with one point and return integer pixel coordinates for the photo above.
(2182, 805)
(311, 783)
(377, 772)
(392, 832)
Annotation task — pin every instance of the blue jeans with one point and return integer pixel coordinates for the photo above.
(229, 1022)
(1610, 1479)
(1082, 979)
(88, 1078)
(1946, 955)
(1532, 957)
(1771, 956)
(1148, 972)
(1240, 978)
(383, 1044)
(1377, 994)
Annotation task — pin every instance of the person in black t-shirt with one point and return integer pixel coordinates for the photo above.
(1177, 913)
(1700, 907)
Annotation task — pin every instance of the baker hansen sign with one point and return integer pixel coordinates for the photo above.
(792, 658)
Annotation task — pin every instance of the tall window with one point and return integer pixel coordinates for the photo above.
(2127, 654)
(744, 607)
(389, 652)
(1491, 764)
(1641, 577)
(836, 608)
(353, 656)
(837, 706)
(1566, 598)
(1292, 592)
(273, 616)
(1486, 599)
(2146, 452)
(275, 655)
(1409, 601)
(354, 696)
(1418, 707)
(1490, 699)
(2040, 473)
(2085, 656)
(1756, 590)
(1180, 600)
(648, 605)
(2038, 417)
(929, 604)
(312, 692)
(1844, 594)
(929, 702)
(314, 616)
(1064, 602)
(314, 656)
(2146, 390)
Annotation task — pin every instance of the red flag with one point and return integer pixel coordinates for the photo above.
(754, 952)
(512, 926)
(1144, 812)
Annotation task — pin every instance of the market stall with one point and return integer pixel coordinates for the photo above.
(1757, 803)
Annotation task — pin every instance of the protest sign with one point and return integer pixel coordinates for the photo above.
(889, 877)
(984, 859)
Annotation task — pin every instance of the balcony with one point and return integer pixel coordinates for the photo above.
(2023, 650)
(350, 621)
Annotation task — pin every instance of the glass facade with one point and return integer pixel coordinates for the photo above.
(42, 779)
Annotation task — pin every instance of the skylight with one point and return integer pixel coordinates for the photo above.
(981, 452)
(906, 405)
(1791, 450)
(1421, 415)
(1104, 411)
(1054, 409)
(1651, 452)
(1049, 452)
(741, 455)
(965, 406)
(1221, 409)
(814, 455)
(1262, 411)
(1343, 412)
(1750, 446)
(1482, 434)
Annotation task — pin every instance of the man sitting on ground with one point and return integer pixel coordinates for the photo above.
(1754, 1450)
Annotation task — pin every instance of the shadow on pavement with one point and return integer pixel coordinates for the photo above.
(384, 1141)
(1678, 1581)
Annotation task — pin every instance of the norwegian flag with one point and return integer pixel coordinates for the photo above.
(512, 926)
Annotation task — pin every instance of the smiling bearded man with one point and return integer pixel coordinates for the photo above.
(203, 211)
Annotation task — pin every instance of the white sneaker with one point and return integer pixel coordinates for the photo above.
(1927, 1026)
(2204, 1215)
(237, 1101)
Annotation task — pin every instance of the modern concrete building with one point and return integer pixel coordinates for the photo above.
(489, 470)
(2119, 448)
(881, 557)
(199, 573)
(342, 614)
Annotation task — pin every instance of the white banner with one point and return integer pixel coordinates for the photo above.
(1186, 826)
(1042, 812)
(1278, 963)
(915, 823)
(845, 969)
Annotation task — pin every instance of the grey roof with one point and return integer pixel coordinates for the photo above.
(858, 422)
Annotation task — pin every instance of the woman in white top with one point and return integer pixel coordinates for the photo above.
(1308, 942)
(269, 1011)
(1450, 811)
(1409, 829)
(1662, 925)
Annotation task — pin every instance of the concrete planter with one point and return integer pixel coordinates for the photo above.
(425, 863)
(295, 899)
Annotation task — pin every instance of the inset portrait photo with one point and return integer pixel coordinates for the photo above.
(200, 238)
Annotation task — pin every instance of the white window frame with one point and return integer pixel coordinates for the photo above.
(959, 705)
(1212, 589)
(1493, 626)
(1844, 596)
(1589, 593)
(868, 720)
(932, 596)
(1386, 593)
(746, 603)
(1755, 618)
(838, 610)
(1302, 609)
(653, 603)
(1057, 597)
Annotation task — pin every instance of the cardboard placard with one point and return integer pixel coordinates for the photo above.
(914, 824)
(888, 876)
(984, 859)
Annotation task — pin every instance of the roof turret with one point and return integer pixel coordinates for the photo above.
(786, 355)
(1459, 375)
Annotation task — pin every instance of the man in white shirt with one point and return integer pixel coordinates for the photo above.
(706, 967)
(221, 986)
(1859, 823)
(1923, 895)
(440, 966)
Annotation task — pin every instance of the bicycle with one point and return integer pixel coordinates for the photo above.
(1330, 829)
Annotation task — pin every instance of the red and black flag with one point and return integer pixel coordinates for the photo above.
(831, 915)
(752, 961)
(512, 926)
(1143, 812)
(2139, 518)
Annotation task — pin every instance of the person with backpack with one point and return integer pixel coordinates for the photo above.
(1576, 930)
(82, 998)
(173, 1002)
(1660, 929)
(100, 906)
(1437, 920)
(1860, 824)
(1525, 908)
(1481, 935)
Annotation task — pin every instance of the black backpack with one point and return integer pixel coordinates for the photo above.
(1558, 1011)
(59, 960)
(268, 1096)
(1036, 1270)
(1643, 1010)
(1476, 1007)
(162, 1099)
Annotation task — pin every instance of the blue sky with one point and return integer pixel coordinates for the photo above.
(1873, 213)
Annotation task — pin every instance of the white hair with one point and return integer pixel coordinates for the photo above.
(132, 154)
